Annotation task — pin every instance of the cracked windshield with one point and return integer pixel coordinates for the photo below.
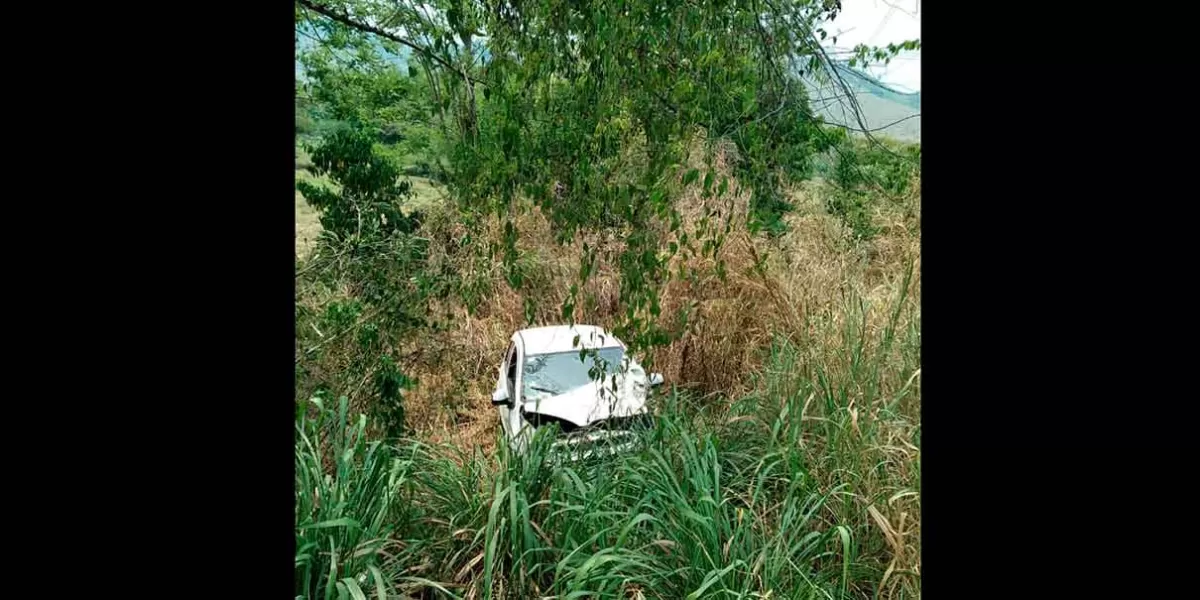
(558, 373)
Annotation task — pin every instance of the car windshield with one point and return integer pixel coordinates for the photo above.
(560, 372)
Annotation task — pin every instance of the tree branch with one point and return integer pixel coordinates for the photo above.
(350, 22)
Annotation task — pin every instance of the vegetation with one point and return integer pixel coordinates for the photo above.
(654, 168)
(789, 492)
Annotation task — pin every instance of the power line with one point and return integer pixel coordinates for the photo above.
(913, 14)
(847, 127)
(887, 17)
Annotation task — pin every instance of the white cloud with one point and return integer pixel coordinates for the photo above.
(879, 23)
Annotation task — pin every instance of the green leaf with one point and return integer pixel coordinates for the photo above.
(380, 586)
(712, 577)
(691, 176)
(332, 579)
(355, 592)
(428, 583)
(341, 522)
(844, 534)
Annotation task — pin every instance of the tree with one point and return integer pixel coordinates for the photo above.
(570, 90)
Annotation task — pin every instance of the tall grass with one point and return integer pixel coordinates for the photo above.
(807, 487)
(348, 506)
(852, 407)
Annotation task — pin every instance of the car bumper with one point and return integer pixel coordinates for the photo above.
(594, 445)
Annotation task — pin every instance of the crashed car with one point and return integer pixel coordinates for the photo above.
(578, 378)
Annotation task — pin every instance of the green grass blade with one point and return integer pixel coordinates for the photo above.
(380, 586)
(432, 584)
(844, 534)
(352, 587)
(339, 522)
(329, 584)
(713, 577)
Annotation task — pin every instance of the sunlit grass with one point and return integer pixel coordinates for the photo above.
(806, 488)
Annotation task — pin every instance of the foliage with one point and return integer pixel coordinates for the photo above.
(594, 112)
(571, 91)
(589, 108)
(304, 120)
(865, 171)
(350, 502)
(864, 54)
(368, 204)
(355, 80)
(370, 247)
(782, 494)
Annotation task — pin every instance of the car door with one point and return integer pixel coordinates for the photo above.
(508, 382)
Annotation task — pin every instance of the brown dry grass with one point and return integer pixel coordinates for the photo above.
(816, 281)
(308, 225)
(815, 284)
(807, 276)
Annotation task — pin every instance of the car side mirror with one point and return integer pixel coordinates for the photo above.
(500, 397)
(656, 379)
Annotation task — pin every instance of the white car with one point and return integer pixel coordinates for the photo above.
(566, 375)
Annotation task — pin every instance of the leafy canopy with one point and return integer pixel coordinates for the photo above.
(589, 109)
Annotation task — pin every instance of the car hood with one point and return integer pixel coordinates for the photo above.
(596, 401)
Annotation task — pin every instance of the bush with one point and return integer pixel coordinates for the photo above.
(866, 172)
(366, 278)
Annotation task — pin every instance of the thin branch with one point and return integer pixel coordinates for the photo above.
(320, 40)
(350, 22)
(362, 319)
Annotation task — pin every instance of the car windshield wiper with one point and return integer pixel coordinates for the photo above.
(542, 389)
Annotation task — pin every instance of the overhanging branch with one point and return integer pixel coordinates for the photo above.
(350, 22)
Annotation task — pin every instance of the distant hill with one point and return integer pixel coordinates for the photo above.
(881, 106)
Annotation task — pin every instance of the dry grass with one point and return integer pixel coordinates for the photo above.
(308, 225)
(805, 279)
(807, 276)
(816, 284)
(831, 298)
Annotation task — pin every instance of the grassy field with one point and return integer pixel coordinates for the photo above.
(785, 462)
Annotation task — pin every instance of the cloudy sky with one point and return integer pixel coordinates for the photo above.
(878, 23)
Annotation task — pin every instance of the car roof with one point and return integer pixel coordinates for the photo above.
(561, 338)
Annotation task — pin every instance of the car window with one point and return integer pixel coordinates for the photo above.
(560, 372)
(512, 365)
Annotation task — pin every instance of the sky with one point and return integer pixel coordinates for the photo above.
(878, 23)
